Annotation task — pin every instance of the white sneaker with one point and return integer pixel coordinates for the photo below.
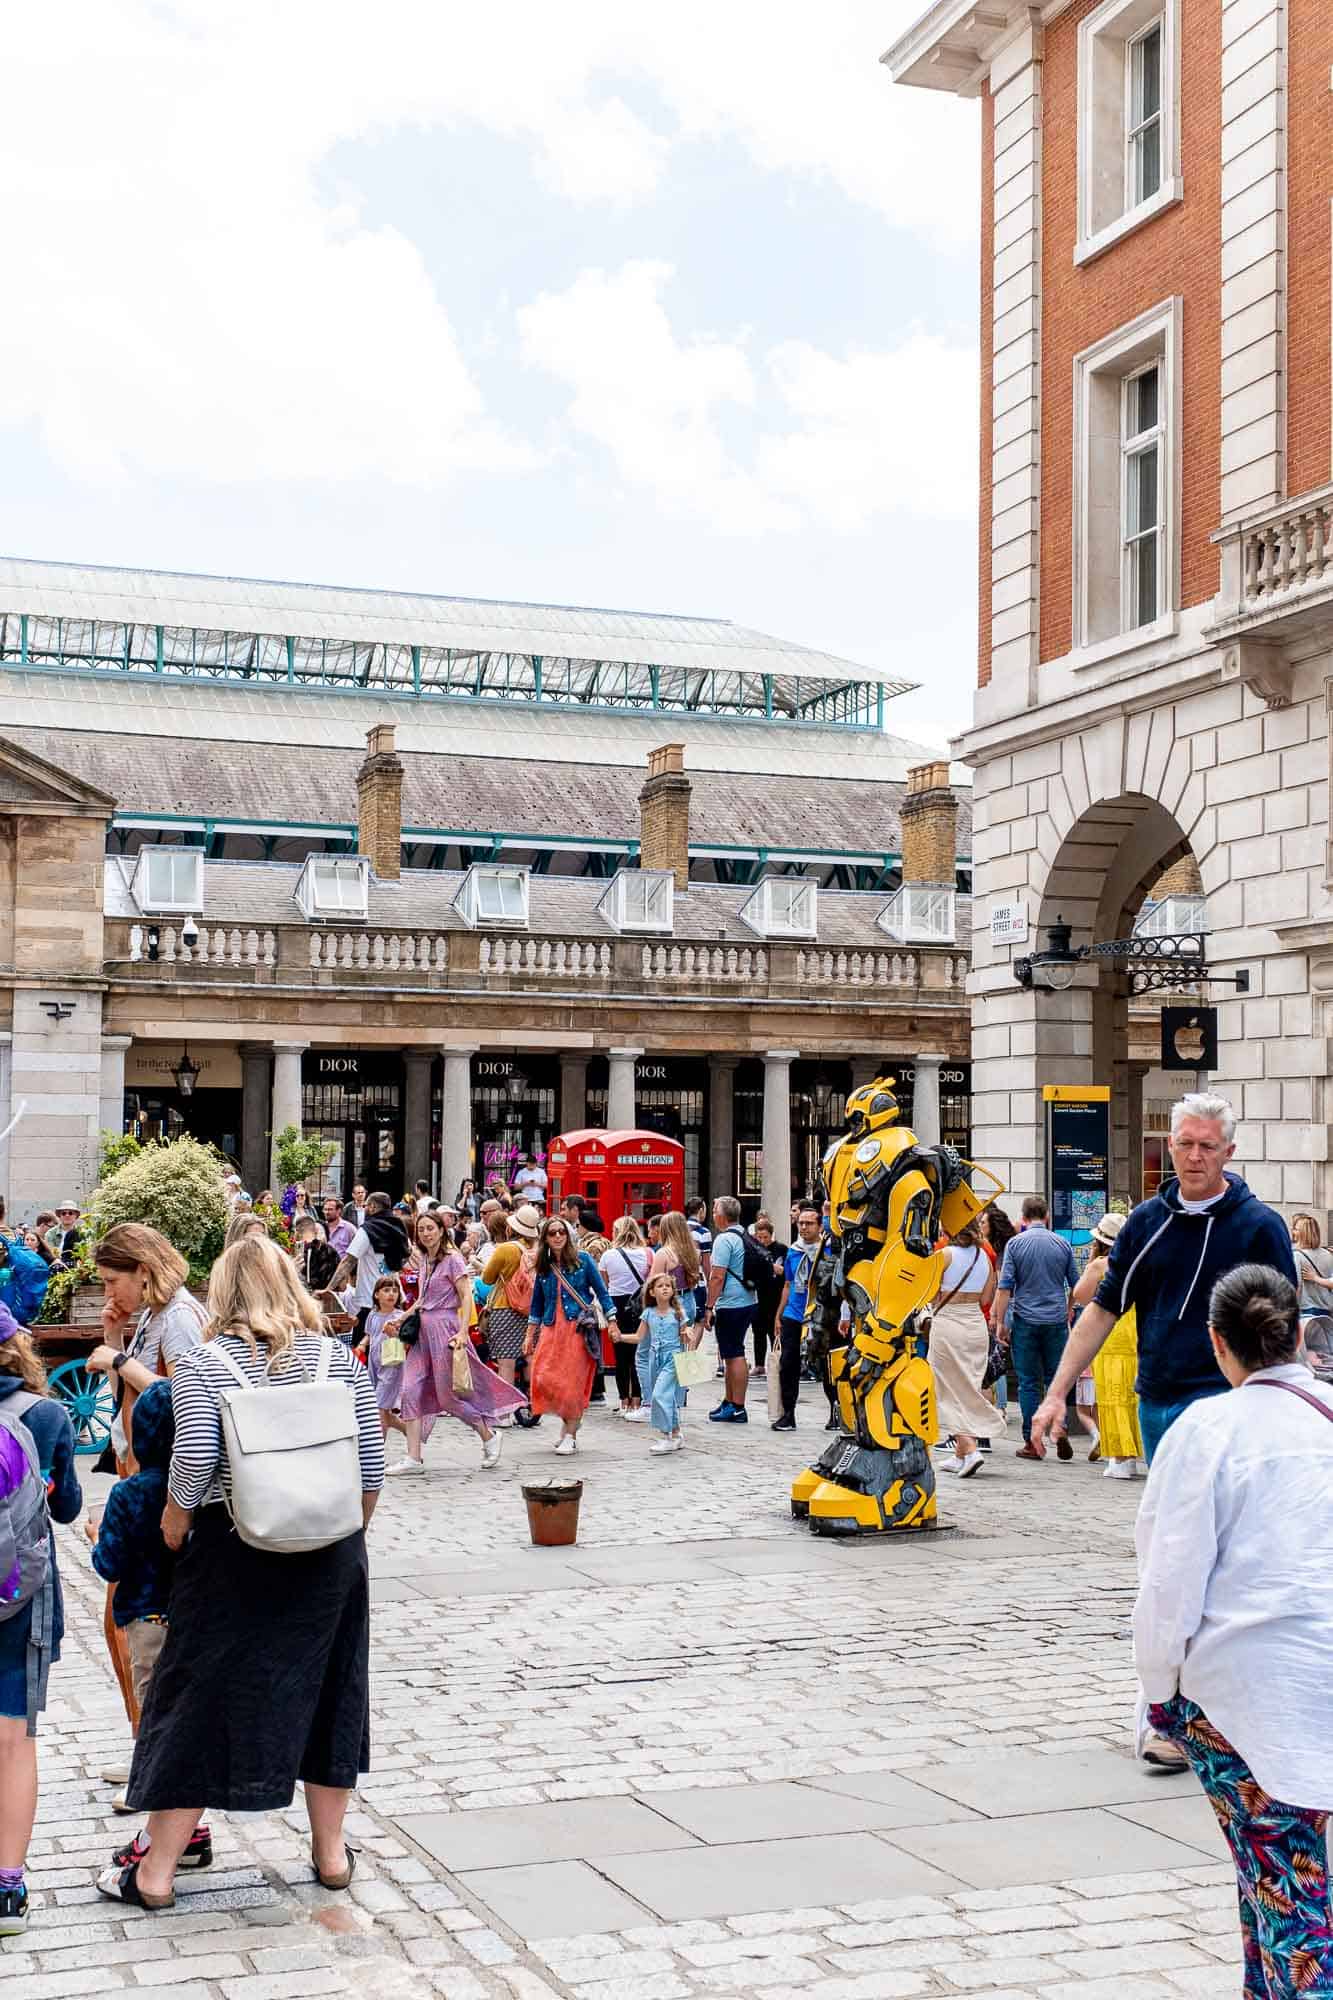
(639, 1416)
(1119, 1468)
(949, 1464)
(406, 1468)
(566, 1447)
(965, 1467)
(661, 1449)
(678, 1441)
(115, 1774)
(490, 1450)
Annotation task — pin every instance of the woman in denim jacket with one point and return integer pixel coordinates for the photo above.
(563, 1361)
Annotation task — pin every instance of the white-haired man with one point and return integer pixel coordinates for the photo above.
(1164, 1263)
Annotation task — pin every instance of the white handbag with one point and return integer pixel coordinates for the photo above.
(294, 1457)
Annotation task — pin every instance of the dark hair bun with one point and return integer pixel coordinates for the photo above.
(1256, 1311)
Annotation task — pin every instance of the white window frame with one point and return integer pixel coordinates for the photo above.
(350, 873)
(1108, 208)
(1133, 446)
(1174, 916)
(1100, 374)
(468, 901)
(190, 900)
(1133, 199)
(639, 900)
(758, 913)
(920, 913)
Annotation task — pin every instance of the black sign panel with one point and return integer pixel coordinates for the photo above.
(1189, 1038)
(1078, 1140)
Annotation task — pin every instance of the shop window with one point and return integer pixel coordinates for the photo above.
(334, 886)
(782, 906)
(639, 899)
(919, 914)
(1128, 127)
(170, 880)
(491, 895)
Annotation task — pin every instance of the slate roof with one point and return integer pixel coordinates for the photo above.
(481, 795)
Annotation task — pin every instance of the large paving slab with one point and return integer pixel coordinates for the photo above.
(773, 1875)
(1030, 1781)
(1043, 1847)
(727, 1813)
(553, 1899)
(559, 1832)
(1191, 1820)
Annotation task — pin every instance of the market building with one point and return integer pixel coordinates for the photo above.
(1156, 552)
(438, 879)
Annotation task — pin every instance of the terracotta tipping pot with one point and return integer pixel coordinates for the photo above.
(553, 1512)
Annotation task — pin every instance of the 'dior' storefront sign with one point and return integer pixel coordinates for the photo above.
(1078, 1156)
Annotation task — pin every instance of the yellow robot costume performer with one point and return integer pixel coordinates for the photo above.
(890, 1202)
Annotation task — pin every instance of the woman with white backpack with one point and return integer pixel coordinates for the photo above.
(37, 1486)
(264, 1676)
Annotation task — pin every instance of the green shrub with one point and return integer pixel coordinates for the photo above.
(176, 1188)
(115, 1150)
(299, 1159)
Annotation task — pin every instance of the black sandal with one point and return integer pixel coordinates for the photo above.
(121, 1885)
(342, 1881)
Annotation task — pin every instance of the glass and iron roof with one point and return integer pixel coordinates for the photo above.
(167, 628)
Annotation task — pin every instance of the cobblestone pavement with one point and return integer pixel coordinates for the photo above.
(700, 1754)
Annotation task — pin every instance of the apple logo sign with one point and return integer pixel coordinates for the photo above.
(1188, 1041)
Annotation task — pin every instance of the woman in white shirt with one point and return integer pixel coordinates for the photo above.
(959, 1349)
(1233, 1628)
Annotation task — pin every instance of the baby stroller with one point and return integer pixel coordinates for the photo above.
(1317, 1333)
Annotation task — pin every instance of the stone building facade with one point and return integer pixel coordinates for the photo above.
(1156, 632)
(438, 929)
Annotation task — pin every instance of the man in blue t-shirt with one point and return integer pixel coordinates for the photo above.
(796, 1271)
(729, 1308)
(1038, 1274)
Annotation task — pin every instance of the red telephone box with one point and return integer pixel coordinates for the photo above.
(617, 1173)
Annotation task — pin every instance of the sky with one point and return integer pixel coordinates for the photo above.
(668, 309)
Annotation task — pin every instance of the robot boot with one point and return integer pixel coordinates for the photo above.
(867, 1491)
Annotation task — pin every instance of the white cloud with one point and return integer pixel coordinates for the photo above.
(849, 439)
(188, 302)
(652, 401)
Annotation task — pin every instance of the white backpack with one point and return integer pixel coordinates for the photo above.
(294, 1458)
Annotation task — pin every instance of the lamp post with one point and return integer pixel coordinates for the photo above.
(186, 1074)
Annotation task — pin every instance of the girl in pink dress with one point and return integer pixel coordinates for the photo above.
(428, 1392)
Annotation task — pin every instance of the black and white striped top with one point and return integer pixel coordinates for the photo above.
(199, 1473)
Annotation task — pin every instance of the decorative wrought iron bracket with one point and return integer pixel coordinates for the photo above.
(1153, 964)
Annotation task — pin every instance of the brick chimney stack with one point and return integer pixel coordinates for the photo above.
(664, 814)
(929, 817)
(379, 804)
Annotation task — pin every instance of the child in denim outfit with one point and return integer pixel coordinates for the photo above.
(131, 1553)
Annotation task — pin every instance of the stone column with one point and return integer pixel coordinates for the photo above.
(620, 1089)
(6, 1103)
(721, 1127)
(111, 1107)
(926, 1096)
(286, 1098)
(456, 1115)
(573, 1093)
(776, 1197)
(416, 1117)
(255, 1102)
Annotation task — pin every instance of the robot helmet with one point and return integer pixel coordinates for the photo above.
(871, 1107)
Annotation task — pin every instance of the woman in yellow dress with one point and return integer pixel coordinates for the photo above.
(1116, 1365)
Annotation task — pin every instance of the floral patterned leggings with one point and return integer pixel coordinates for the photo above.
(1280, 1857)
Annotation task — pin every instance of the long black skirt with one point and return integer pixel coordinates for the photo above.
(264, 1677)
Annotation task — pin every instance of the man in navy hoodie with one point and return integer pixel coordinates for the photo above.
(1164, 1263)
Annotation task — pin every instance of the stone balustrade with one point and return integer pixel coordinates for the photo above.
(379, 951)
(1276, 568)
(545, 958)
(881, 969)
(704, 962)
(226, 947)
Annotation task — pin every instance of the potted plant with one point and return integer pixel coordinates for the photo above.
(177, 1188)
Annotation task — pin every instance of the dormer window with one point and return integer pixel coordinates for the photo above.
(782, 906)
(639, 899)
(919, 913)
(169, 881)
(334, 885)
(493, 896)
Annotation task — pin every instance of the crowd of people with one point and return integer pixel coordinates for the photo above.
(492, 1312)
